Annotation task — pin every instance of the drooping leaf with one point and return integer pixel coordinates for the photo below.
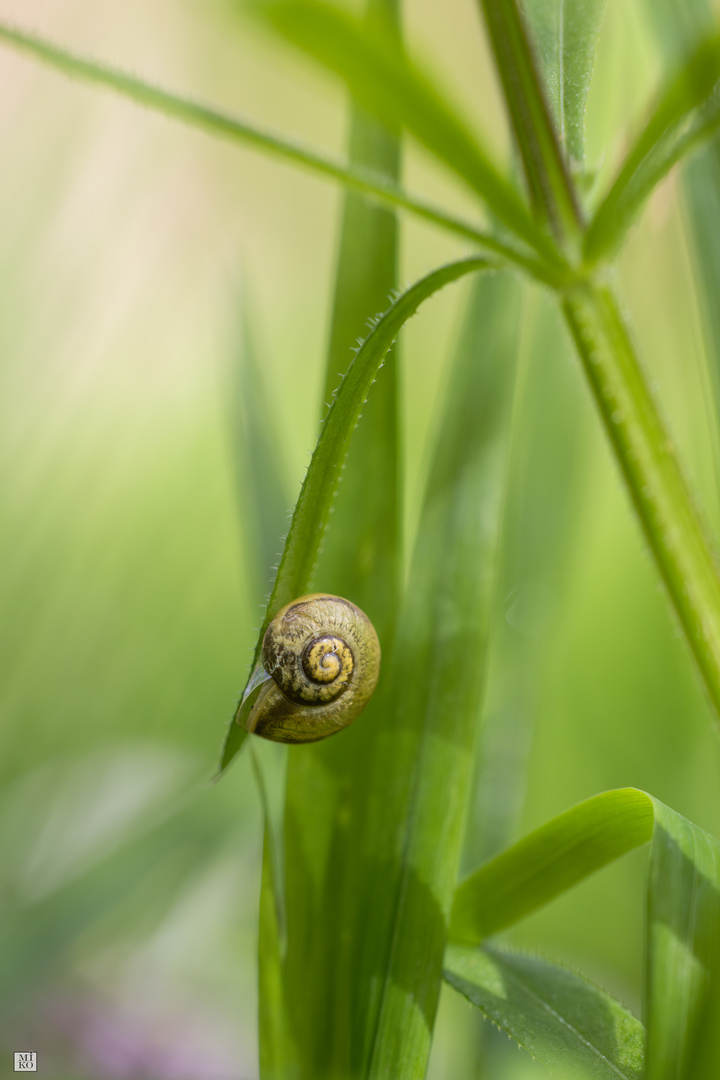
(683, 901)
(312, 510)
(565, 34)
(676, 124)
(387, 83)
(561, 1018)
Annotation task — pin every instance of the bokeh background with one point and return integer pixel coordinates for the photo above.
(160, 293)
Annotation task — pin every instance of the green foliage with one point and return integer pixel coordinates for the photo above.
(565, 33)
(683, 901)
(383, 80)
(562, 1019)
(312, 510)
(363, 841)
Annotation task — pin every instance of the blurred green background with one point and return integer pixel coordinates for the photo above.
(137, 260)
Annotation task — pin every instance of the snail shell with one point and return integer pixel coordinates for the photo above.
(323, 658)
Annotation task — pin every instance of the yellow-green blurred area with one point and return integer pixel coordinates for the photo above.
(137, 258)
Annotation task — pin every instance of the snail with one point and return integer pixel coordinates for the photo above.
(321, 659)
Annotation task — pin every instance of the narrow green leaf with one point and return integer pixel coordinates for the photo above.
(328, 782)
(312, 510)
(545, 169)
(548, 482)
(371, 185)
(432, 716)
(380, 862)
(561, 1018)
(565, 33)
(683, 902)
(659, 145)
(549, 861)
(394, 88)
(683, 918)
(276, 1044)
(704, 1055)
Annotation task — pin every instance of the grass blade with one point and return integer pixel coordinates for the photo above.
(394, 88)
(546, 173)
(384, 853)
(373, 186)
(565, 33)
(328, 782)
(659, 145)
(541, 522)
(312, 510)
(683, 917)
(433, 715)
(562, 1019)
(683, 901)
(276, 1044)
(549, 861)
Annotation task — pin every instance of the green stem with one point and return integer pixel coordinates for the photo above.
(373, 186)
(647, 459)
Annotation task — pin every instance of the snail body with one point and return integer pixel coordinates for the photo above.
(322, 656)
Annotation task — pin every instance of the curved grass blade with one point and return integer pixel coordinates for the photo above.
(683, 901)
(328, 782)
(312, 510)
(548, 862)
(565, 33)
(561, 1018)
(381, 78)
(371, 185)
(661, 143)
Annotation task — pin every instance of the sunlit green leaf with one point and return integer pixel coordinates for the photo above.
(562, 1019)
(683, 901)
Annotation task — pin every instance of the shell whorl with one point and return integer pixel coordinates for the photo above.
(323, 657)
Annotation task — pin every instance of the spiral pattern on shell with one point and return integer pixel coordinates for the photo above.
(323, 657)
